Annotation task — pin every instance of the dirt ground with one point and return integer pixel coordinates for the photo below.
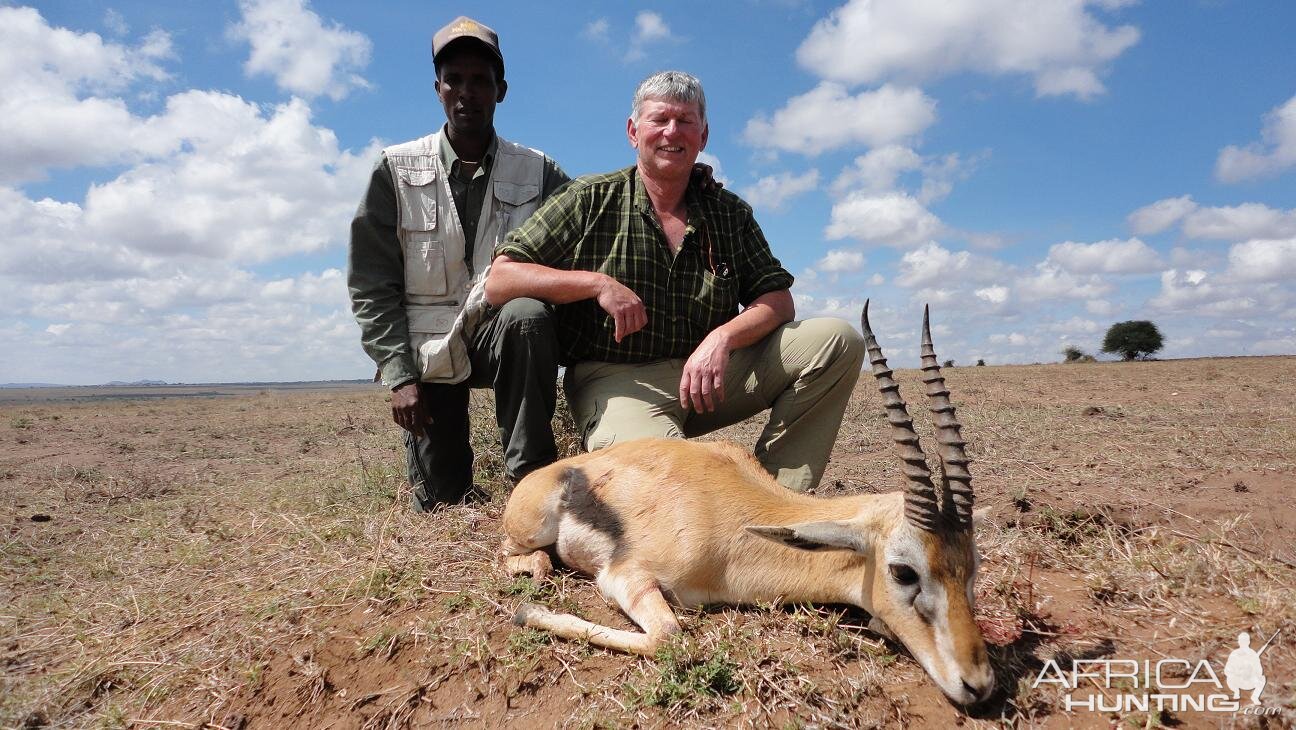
(248, 561)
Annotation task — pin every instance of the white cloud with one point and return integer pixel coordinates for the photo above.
(993, 294)
(291, 43)
(1157, 217)
(1016, 339)
(893, 219)
(774, 191)
(1131, 256)
(1275, 153)
(838, 261)
(1061, 45)
(878, 170)
(717, 169)
(115, 23)
(248, 187)
(1263, 260)
(1074, 325)
(1051, 281)
(1249, 220)
(649, 29)
(932, 265)
(1101, 307)
(50, 116)
(597, 30)
(828, 117)
(1238, 222)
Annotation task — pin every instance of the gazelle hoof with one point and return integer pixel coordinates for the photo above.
(525, 611)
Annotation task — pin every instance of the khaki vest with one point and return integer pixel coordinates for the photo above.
(445, 299)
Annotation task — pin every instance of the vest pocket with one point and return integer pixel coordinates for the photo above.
(425, 269)
(440, 350)
(418, 198)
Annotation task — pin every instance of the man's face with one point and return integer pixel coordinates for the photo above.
(469, 91)
(668, 137)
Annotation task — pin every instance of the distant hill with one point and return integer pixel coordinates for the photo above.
(31, 385)
(136, 383)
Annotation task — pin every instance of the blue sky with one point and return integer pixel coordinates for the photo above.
(176, 180)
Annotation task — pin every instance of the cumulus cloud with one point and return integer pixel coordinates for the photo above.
(1157, 217)
(53, 113)
(649, 29)
(838, 261)
(894, 219)
(597, 30)
(1263, 260)
(992, 294)
(304, 55)
(932, 265)
(1051, 281)
(717, 169)
(1131, 256)
(878, 170)
(249, 186)
(828, 117)
(1223, 223)
(1062, 46)
(1274, 154)
(1015, 339)
(1249, 220)
(772, 192)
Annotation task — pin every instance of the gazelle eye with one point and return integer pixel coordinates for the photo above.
(903, 574)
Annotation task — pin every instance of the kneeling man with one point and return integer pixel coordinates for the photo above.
(649, 270)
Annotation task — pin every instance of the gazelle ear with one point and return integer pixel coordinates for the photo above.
(979, 517)
(830, 535)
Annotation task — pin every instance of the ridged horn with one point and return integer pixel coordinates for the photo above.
(956, 480)
(920, 504)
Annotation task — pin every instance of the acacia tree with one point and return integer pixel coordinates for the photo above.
(1133, 339)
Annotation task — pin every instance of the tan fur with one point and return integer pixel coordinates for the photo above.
(683, 508)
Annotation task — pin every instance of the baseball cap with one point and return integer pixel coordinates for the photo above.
(465, 27)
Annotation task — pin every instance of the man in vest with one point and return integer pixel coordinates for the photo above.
(421, 243)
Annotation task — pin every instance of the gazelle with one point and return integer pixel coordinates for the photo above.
(696, 523)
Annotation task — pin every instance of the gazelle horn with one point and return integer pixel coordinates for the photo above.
(956, 480)
(921, 507)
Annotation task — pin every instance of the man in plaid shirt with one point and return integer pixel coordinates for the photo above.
(649, 271)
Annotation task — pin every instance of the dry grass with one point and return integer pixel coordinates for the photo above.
(251, 562)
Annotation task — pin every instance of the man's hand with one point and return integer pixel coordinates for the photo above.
(407, 409)
(706, 176)
(625, 307)
(702, 382)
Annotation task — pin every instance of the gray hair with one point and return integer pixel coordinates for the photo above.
(676, 86)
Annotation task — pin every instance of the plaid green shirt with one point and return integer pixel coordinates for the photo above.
(606, 223)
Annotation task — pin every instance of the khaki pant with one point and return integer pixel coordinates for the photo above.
(803, 372)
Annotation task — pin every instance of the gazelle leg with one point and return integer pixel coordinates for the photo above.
(636, 593)
(519, 559)
(639, 596)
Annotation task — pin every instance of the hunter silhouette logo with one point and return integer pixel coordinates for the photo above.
(1242, 671)
(1168, 683)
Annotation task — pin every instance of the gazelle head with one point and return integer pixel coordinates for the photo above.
(922, 554)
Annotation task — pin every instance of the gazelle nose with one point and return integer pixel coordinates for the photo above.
(980, 691)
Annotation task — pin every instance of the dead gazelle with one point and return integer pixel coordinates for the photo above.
(701, 523)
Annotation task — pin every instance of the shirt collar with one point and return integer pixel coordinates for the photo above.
(449, 158)
(692, 201)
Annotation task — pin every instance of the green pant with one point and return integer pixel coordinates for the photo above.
(516, 354)
(803, 372)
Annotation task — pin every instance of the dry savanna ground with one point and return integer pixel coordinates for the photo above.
(248, 561)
